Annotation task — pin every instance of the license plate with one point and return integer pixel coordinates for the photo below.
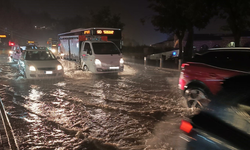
(49, 72)
(113, 67)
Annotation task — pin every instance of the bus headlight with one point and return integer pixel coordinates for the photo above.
(98, 62)
(32, 68)
(59, 67)
(121, 61)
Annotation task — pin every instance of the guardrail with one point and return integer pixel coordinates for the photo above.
(158, 64)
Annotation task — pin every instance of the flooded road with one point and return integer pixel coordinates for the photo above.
(137, 109)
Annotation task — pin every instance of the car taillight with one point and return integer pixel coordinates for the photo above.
(186, 126)
(184, 65)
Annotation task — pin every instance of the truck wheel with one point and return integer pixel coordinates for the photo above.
(85, 68)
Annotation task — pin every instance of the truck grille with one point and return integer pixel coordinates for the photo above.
(46, 75)
(48, 68)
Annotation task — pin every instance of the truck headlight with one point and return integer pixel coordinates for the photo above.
(59, 67)
(32, 68)
(98, 62)
(121, 61)
(53, 50)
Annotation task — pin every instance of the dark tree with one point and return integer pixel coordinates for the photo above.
(237, 15)
(181, 16)
(104, 18)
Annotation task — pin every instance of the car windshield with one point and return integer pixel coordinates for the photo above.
(39, 55)
(105, 48)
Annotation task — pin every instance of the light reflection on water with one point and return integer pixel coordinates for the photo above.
(117, 109)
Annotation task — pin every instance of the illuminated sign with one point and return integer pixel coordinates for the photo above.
(54, 45)
(2, 36)
(108, 31)
(99, 31)
(87, 32)
(31, 42)
(105, 31)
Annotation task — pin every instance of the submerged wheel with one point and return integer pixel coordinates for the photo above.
(196, 98)
(85, 68)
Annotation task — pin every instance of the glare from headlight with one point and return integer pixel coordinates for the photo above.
(53, 50)
(32, 68)
(98, 62)
(59, 67)
(10, 52)
(121, 61)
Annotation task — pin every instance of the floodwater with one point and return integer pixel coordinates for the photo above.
(138, 109)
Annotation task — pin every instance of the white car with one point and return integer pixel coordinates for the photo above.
(40, 64)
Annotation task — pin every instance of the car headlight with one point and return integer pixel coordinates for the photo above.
(98, 62)
(32, 68)
(59, 67)
(53, 50)
(10, 52)
(121, 61)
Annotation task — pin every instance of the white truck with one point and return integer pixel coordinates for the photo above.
(93, 49)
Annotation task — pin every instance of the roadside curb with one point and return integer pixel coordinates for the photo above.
(8, 129)
(152, 67)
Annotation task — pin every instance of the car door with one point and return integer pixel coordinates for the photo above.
(222, 65)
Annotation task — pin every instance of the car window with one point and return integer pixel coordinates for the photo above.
(227, 59)
(86, 47)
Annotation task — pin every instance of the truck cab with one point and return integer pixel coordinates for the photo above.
(101, 57)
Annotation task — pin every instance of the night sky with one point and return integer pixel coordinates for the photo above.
(131, 11)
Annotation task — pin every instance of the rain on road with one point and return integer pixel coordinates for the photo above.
(137, 109)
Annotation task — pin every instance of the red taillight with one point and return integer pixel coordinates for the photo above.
(11, 43)
(186, 126)
(104, 38)
(82, 38)
(184, 65)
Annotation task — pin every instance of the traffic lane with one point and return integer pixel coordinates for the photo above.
(104, 109)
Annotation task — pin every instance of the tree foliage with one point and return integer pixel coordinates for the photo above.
(237, 15)
(179, 16)
(104, 18)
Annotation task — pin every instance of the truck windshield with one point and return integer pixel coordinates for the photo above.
(105, 48)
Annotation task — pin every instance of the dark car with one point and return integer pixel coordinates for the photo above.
(201, 78)
(225, 123)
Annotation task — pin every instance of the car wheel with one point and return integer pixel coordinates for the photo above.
(196, 98)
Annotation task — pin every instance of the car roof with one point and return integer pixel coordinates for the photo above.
(230, 48)
(37, 50)
(226, 49)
